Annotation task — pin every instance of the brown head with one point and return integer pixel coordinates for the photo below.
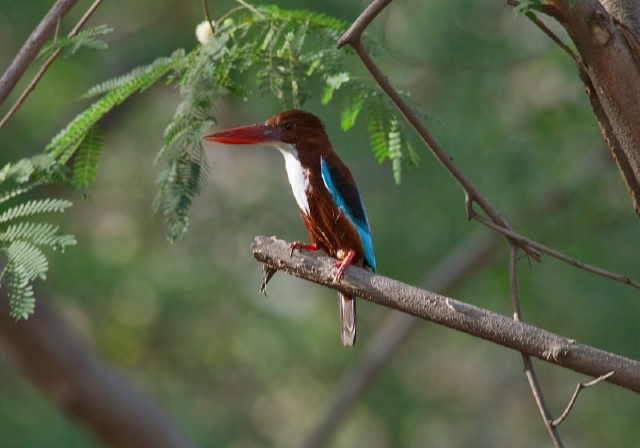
(295, 127)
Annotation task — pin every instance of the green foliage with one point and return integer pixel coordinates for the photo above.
(85, 38)
(86, 158)
(20, 240)
(67, 142)
(289, 51)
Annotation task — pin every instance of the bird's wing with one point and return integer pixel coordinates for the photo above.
(347, 198)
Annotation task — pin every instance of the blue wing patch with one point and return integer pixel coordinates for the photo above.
(347, 198)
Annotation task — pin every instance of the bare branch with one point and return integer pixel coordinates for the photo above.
(31, 47)
(472, 193)
(34, 82)
(205, 6)
(579, 388)
(454, 314)
(554, 253)
(354, 33)
(529, 370)
(65, 370)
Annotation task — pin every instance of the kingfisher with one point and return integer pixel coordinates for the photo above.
(325, 191)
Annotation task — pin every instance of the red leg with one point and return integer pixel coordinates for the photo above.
(300, 245)
(342, 265)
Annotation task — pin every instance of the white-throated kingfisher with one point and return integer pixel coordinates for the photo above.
(325, 191)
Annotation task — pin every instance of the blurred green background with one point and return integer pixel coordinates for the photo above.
(185, 321)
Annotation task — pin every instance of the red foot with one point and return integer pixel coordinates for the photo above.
(300, 245)
(342, 265)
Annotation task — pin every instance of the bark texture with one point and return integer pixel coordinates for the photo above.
(606, 37)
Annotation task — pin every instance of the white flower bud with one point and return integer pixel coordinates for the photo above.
(204, 31)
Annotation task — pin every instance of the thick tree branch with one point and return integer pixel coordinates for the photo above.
(31, 47)
(445, 311)
(63, 367)
(464, 260)
(610, 69)
(469, 256)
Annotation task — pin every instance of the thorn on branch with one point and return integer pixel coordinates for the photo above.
(579, 388)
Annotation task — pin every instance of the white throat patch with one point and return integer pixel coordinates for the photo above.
(298, 176)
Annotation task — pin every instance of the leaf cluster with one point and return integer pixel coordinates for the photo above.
(84, 39)
(22, 238)
(290, 52)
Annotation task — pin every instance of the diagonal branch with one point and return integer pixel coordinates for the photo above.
(30, 49)
(559, 255)
(353, 37)
(45, 66)
(445, 311)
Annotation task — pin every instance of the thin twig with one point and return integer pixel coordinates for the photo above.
(251, 8)
(30, 49)
(579, 389)
(451, 313)
(207, 15)
(229, 13)
(554, 253)
(472, 194)
(529, 370)
(45, 66)
(546, 30)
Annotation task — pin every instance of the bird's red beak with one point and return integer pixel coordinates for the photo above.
(245, 135)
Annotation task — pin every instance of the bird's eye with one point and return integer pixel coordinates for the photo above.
(288, 126)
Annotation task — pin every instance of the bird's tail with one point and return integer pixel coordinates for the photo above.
(347, 319)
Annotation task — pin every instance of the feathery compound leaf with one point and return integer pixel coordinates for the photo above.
(148, 74)
(20, 292)
(42, 234)
(28, 259)
(76, 131)
(334, 82)
(16, 191)
(87, 158)
(85, 38)
(378, 127)
(29, 168)
(33, 207)
(351, 108)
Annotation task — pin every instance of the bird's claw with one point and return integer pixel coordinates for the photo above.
(300, 245)
(340, 273)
